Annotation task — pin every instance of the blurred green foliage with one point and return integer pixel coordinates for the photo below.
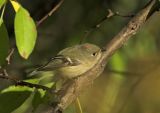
(4, 43)
(2, 2)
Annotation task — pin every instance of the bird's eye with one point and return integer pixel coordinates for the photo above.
(94, 54)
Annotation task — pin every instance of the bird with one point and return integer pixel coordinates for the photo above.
(73, 61)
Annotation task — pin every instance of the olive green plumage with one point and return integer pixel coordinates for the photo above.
(73, 61)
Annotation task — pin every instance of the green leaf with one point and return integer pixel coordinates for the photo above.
(12, 100)
(27, 105)
(25, 31)
(4, 43)
(2, 2)
(13, 97)
(37, 99)
(16, 88)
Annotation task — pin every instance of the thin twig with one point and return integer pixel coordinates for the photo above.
(109, 15)
(50, 13)
(126, 16)
(8, 58)
(5, 72)
(37, 86)
(4, 75)
(79, 105)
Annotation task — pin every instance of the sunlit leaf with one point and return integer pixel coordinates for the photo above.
(16, 88)
(15, 5)
(13, 97)
(25, 31)
(2, 2)
(4, 43)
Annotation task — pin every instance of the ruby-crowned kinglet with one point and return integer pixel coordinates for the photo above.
(73, 61)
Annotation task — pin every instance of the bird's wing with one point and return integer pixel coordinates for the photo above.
(56, 62)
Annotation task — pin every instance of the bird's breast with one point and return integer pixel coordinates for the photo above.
(72, 71)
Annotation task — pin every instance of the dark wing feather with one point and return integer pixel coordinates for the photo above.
(56, 62)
